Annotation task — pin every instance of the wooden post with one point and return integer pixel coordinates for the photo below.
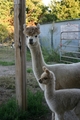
(20, 52)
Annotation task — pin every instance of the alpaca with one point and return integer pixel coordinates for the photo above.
(59, 101)
(67, 75)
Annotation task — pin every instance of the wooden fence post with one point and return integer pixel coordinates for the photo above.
(20, 52)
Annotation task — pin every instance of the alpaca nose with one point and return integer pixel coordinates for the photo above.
(40, 81)
(31, 41)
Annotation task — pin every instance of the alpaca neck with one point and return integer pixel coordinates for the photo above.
(37, 60)
(49, 93)
(50, 89)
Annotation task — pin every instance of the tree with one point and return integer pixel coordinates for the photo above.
(47, 15)
(66, 9)
(6, 19)
(33, 10)
(37, 12)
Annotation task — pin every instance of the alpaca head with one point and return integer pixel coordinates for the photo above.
(46, 76)
(32, 33)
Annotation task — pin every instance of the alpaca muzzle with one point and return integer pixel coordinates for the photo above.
(30, 41)
(40, 80)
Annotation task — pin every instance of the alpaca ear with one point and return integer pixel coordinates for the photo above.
(47, 71)
(44, 68)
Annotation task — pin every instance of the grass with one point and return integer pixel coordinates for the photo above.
(28, 55)
(74, 59)
(5, 63)
(35, 105)
(36, 108)
(7, 82)
(29, 70)
(7, 56)
(50, 55)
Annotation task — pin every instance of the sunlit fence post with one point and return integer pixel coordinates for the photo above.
(20, 52)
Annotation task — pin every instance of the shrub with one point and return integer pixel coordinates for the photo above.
(50, 55)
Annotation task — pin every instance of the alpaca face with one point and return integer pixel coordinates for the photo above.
(31, 40)
(46, 76)
(31, 33)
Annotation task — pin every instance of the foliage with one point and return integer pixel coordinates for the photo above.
(34, 14)
(71, 57)
(7, 56)
(37, 12)
(5, 63)
(33, 10)
(6, 19)
(29, 70)
(65, 9)
(47, 15)
(35, 105)
(28, 55)
(10, 111)
(50, 55)
(3, 32)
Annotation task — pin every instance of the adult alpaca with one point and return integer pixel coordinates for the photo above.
(67, 75)
(59, 101)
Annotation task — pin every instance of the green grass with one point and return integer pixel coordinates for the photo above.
(28, 55)
(74, 59)
(36, 108)
(7, 82)
(50, 55)
(7, 56)
(5, 63)
(29, 70)
(35, 105)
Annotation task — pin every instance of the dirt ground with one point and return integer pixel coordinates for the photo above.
(7, 87)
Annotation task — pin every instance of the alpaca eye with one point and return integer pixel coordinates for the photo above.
(45, 78)
(35, 35)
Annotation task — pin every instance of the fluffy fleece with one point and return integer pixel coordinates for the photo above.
(59, 101)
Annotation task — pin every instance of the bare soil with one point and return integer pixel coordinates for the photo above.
(7, 87)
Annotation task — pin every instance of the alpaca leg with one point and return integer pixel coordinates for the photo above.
(59, 116)
(53, 116)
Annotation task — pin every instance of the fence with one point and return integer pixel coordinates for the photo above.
(70, 46)
(53, 40)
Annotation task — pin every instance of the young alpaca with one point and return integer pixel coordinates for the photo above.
(67, 75)
(59, 101)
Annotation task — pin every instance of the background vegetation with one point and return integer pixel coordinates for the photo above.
(65, 9)
(36, 109)
(7, 56)
(6, 20)
(36, 11)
